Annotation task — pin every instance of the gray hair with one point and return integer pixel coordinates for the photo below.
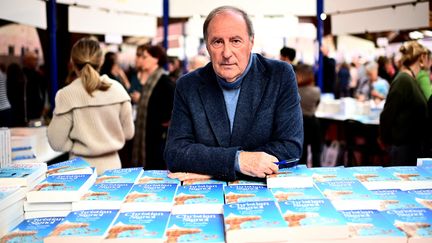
(222, 9)
(371, 66)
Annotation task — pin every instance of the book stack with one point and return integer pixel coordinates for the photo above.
(348, 195)
(5, 147)
(195, 228)
(109, 190)
(254, 222)
(411, 177)
(372, 227)
(374, 177)
(422, 196)
(32, 230)
(138, 226)
(11, 207)
(83, 226)
(30, 142)
(313, 219)
(298, 176)
(63, 178)
(23, 174)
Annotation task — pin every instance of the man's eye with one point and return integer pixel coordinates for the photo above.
(236, 42)
(217, 43)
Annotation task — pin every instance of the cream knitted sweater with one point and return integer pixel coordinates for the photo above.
(91, 126)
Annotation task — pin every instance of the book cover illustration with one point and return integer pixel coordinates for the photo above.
(103, 196)
(195, 228)
(21, 173)
(370, 223)
(85, 223)
(199, 194)
(374, 177)
(395, 198)
(284, 194)
(247, 193)
(32, 230)
(411, 177)
(156, 176)
(123, 175)
(139, 225)
(252, 215)
(422, 196)
(414, 222)
(310, 212)
(73, 166)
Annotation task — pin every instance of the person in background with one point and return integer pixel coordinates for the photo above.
(196, 62)
(310, 98)
(111, 68)
(373, 87)
(423, 76)
(386, 69)
(287, 54)
(36, 88)
(343, 81)
(5, 106)
(175, 68)
(237, 115)
(93, 114)
(404, 120)
(139, 77)
(329, 72)
(154, 110)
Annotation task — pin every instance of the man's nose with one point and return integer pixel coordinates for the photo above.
(227, 51)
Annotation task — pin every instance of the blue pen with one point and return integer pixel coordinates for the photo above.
(287, 163)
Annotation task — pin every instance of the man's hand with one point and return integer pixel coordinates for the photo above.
(257, 164)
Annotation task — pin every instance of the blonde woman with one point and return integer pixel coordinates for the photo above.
(93, 115)
(403, 121)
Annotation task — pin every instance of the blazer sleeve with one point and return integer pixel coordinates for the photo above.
(183, 153)
(287, 132)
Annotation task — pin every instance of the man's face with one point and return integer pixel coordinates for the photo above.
(229, 45)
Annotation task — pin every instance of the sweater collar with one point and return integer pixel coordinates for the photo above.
(236, 84)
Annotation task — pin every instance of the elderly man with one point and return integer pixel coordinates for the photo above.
(238, 114)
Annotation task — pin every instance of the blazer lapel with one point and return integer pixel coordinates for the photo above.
(252, 90)
(214, 106)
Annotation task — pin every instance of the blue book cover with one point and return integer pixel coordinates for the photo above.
(85, 223)
(123, 175)
(73, 166)
(415, 222)
(247, 193)
(348, 194)
(411, 177)
(151, 197)
(200, 198)
(422, 196)
(371, 174)
(323, 174)
(202, 181)
(21, 173)
(61, 188)
(156, 176)
(32, 230)
(103, 196)
(139, 225)
(314, 213)
(395, 198)
(195, 228)
(370, 223)
(283, 194)
(297, 176)
(254, 222)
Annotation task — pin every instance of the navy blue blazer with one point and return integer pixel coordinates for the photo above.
(268, 118)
